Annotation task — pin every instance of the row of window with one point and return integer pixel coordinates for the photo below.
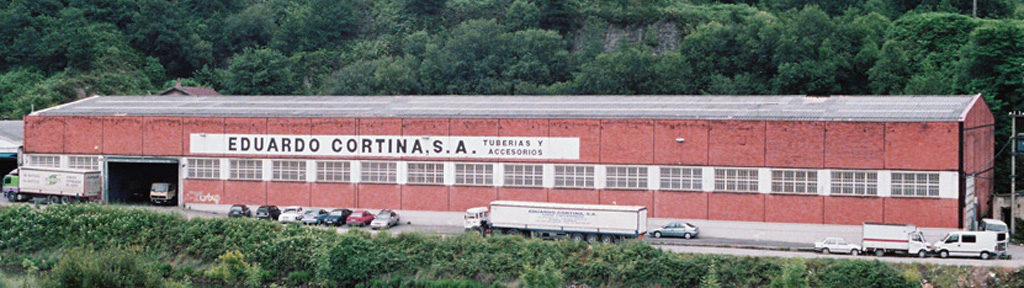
(532, 175)
(573, 176)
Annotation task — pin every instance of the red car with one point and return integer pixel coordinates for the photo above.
(359, 217)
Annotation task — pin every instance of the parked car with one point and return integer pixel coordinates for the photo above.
(337, 217)
(836, 245)
(676, 229)
(290, 214)
(359, 217)
(268, 212)
(314, 216)
(239, 210)
(385, 219)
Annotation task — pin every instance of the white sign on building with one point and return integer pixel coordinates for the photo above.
(563, 148)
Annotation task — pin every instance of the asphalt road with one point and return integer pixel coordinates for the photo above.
(421, 222)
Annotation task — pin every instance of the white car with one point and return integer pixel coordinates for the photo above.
(836, 245)
(290, 214)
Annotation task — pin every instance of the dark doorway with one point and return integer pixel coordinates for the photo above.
(7, 164)
(1005, 212)
(129, 182)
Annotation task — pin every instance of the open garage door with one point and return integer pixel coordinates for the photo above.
(128, 179)
(8, 162)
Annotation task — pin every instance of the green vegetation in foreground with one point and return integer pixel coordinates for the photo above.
(112, 246)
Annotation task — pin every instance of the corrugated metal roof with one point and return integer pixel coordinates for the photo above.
(796, 107)
(12, 130)
(12, 135)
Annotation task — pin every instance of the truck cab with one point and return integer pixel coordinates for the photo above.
(10, 185)
(162, 193)
(477, 218)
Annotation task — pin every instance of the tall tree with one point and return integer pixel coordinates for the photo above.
(262, 71)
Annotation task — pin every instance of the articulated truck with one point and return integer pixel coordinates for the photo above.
(53, 185)
(591, 223)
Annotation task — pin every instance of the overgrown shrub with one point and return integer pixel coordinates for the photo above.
(86, 268)
(231, 267)
(545, 276)
(860, 273)
(254, 253)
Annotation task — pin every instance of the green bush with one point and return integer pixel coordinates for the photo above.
(860, 273)
(83, 267)
(231, 267)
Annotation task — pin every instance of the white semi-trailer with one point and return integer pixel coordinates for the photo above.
(882, 238)
(57, 185)
(591, 223)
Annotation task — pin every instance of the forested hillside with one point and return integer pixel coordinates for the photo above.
(56, 51)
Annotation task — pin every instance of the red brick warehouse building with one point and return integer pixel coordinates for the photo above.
(834, 160)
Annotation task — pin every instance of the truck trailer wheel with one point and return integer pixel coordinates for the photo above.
(514, 231)
(592, 238)
(576, 237)
(52, 200)
(607, 239)
(879, 252)
(65, 200)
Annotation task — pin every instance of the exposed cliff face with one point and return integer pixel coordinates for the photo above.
(662, 36)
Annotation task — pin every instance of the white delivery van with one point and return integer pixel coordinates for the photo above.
(969, 244)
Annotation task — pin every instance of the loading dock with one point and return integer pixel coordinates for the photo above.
(128, 179)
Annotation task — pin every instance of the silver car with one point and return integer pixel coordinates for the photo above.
(676, 229)
(385, 219)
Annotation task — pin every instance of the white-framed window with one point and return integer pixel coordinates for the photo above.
(44, 161)
(426, 173)
(474, 174)
(795, 181)
(567, 176)
(524, 175)
(288, 170)
(915, 184)
(84, 162)
(736, 180)
(379, 172)
(626, 177)
(202, 168)
(333, 171)
(679, 178)
(246, 169)
(854, 183)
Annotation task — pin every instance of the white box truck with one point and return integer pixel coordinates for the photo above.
(982, 244)
(579, 222)
(881, 239)
(57, 185)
